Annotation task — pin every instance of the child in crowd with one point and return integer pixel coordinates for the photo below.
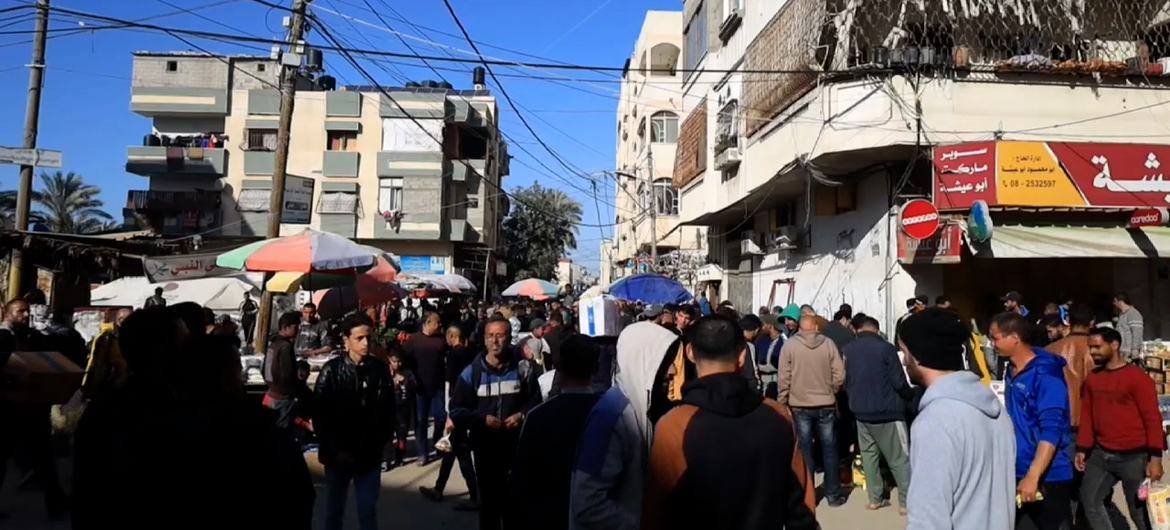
(404, 395)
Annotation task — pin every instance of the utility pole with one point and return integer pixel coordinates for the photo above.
(289, 73)
(32, 115)
(653, 209)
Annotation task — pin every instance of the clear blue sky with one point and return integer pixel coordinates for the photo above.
(85, 109)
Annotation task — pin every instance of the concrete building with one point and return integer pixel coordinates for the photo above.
(573, 275)
(812, 126)
(648, 124)
(359, 164)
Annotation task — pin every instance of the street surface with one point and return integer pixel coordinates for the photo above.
(401, 506)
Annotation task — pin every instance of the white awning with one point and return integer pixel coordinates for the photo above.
(1076, 242)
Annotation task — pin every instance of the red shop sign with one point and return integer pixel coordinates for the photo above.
(1118, 175)
(919, 219)
(1149, 217)
(944, 247)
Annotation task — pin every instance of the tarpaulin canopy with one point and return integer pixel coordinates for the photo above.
(220, 294)
(1017, 241)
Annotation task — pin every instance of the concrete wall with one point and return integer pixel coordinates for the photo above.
(191, 71)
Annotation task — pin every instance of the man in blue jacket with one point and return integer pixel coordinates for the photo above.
(492, 398)
(1036, 395)
(877, 390)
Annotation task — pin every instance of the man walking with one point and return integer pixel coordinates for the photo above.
(811, 373)
(280, 370)
(539, 484)
(156, 300)
(1121, 432)
(724, 430)
(248, 312)
(459, 356)
(1130, 325)
(878, 392)
(492, 398)
(425, 350)
(962, 437)
(1074, 349)
(354, 419)
(840, 330)
(1037, 401)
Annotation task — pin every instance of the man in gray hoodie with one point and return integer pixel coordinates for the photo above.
(811, 373)
(962, 447)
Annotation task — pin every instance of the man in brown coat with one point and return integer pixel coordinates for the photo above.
(1075, 350)
(811, 373)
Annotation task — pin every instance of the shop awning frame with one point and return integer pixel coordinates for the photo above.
(1020, 241)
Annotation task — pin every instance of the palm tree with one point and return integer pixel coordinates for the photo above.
(540, 229)
(69, 205)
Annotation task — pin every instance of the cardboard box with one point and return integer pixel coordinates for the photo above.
(1155, 363)
(41, 378)
(599, 317)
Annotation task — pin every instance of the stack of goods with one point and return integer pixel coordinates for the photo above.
(1156, 361)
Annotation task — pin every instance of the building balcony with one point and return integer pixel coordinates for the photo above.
(173, 212)
(155, 160)
(341, 164)
(459, 170)
(179, 101)
(470, 113)
(259, 162)
(171, 201)
(410, 164)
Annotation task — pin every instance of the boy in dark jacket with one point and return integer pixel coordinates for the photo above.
(405, 386)
(877, 390)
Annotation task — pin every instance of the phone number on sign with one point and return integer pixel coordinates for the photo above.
(1029, 183)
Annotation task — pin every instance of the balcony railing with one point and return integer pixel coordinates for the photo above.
(171, 201)
(154, 160)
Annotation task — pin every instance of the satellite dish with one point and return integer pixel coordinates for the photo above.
(979, 225)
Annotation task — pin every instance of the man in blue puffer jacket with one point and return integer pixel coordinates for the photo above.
(1036, 395)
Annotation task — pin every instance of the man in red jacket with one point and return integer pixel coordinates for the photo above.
(1121, 431)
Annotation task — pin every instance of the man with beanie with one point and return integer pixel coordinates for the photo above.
(1036, 396)
(962, 441)
(811, 373)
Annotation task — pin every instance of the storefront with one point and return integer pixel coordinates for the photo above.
(1069, 221)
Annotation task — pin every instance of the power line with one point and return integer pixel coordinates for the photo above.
(353, 61)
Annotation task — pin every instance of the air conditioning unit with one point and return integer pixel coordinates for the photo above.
(748, 245)
(785, 238)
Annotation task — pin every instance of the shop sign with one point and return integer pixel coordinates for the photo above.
(1149, 217)
(298, 200)
(423, 264)
(169, 268)
(919, 219)
(944, 247)
(1051, 174)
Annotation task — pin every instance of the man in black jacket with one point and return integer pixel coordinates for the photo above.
(354, 419)
(425, 353)
(492, 398)
(280, 369)
(877, 388)
(542, 471)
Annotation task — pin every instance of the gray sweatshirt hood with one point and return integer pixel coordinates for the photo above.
(966, 388)
(811, 339)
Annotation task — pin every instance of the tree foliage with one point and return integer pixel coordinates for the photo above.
(539, 230)
(66, 204)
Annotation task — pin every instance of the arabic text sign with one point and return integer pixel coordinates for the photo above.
(298, 200)
(1030, 175)
(944, 247)
(31, 157)
(964, 174)
(167, 268)
(1052, 174)
(423, 264)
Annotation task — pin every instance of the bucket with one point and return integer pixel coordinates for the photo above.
(1158, 503)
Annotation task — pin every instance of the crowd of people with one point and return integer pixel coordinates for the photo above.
(694, 415)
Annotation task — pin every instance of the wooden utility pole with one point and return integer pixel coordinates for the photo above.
(289, 73)
(32, 115)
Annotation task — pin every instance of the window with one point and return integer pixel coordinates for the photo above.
(695, 37)
(727, 127)
(341, 140)
(172, 66)
(664, 127)
(473, 202)
(260, 67)
(665, 198)
(835, 200)
(253, 200)
(782, 215)
(390, 194)
(338, 202)
(261, 139)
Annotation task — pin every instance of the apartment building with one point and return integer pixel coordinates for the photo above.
(415, 170)
(648, 116)
(809, 127)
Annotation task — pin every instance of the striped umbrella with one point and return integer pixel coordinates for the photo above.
(533, 288)
(309, 251)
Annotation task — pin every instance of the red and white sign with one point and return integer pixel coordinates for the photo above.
(1149, 217)
(919, 219)
(944, 247)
